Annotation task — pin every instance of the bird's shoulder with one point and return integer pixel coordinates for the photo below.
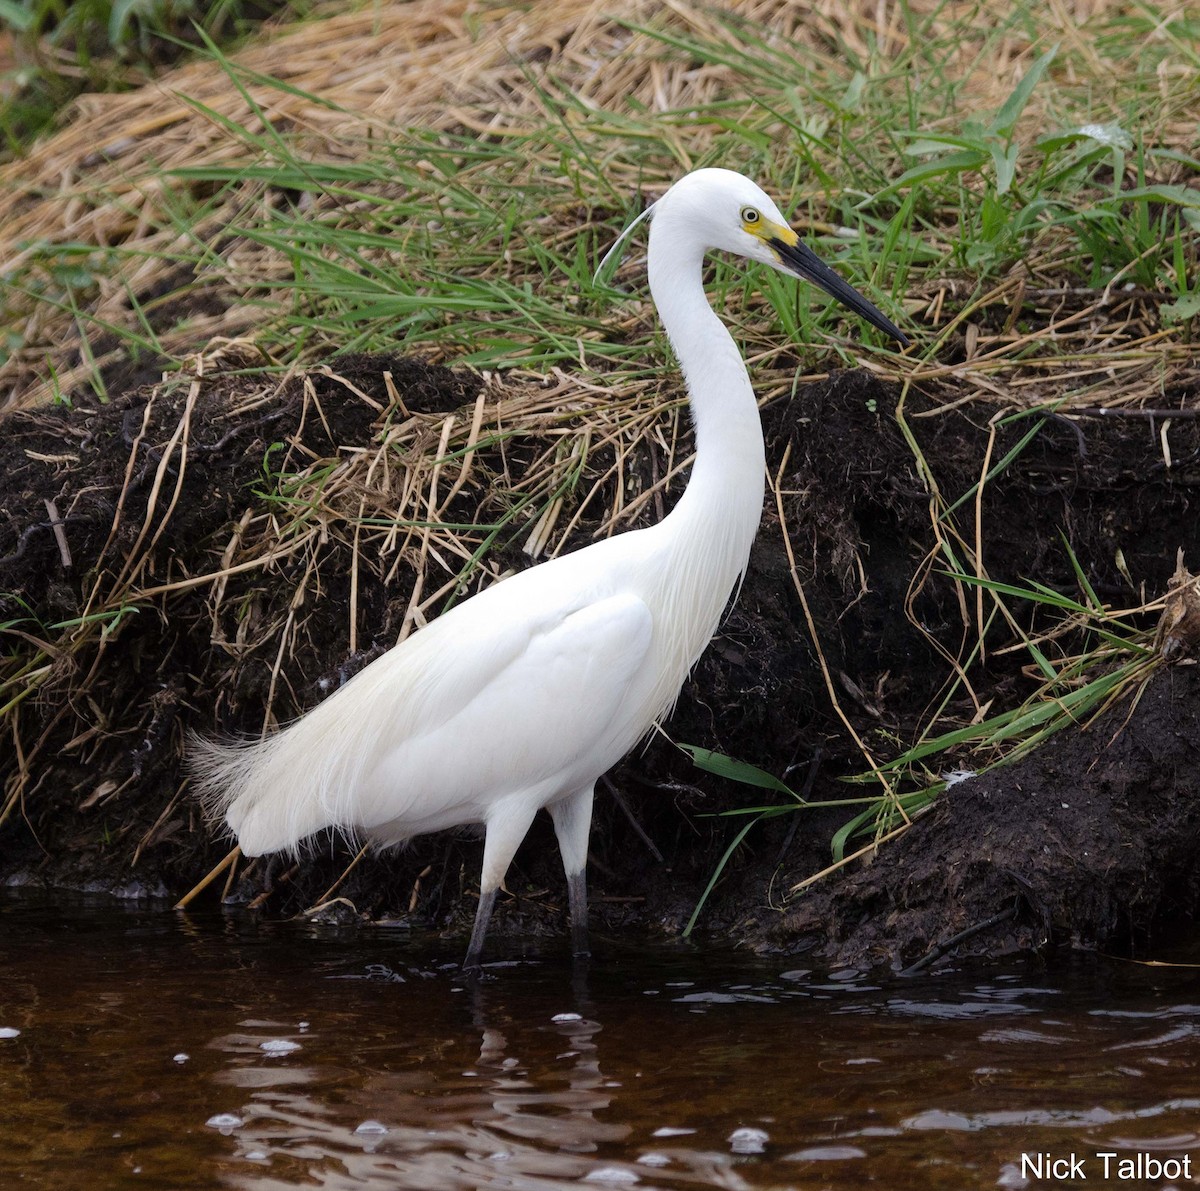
(573, 619)
(544, 595)
(566, 603)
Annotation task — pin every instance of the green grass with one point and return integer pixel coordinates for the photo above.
(482, 250)
(1086, 658)
(65, 47)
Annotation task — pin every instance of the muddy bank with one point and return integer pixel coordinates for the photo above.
(136, 611)
(1092, 841)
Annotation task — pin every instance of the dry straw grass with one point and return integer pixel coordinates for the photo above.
(407, 511)
(396, 500)
(357, 77)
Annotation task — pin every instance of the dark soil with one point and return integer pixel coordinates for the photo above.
(1095, 840)
(1092, 842)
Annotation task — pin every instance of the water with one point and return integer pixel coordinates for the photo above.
(142, 1048)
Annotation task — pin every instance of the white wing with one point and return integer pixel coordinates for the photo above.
(522, 686)
(547, 713)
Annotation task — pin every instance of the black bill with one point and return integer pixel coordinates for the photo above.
(805, 263)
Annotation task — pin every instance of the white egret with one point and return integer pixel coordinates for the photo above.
(524, 695)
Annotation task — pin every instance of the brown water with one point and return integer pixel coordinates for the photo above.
(162, 1051)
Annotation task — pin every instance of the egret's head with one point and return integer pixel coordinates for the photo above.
(726, 211)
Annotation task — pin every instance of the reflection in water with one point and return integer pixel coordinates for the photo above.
(527, 1112)
(164, 1052)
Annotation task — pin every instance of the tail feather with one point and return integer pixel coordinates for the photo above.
(272, 793)
(309, 776)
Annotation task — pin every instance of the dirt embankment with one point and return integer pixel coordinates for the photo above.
(108, 532)
(1093, 840)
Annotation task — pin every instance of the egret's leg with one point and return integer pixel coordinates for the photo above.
(572, 821)
(483, 916)
(577, 892)
(506, 827)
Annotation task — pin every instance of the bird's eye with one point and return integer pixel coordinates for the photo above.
(750, 215)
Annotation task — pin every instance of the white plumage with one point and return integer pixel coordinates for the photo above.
(521, 697)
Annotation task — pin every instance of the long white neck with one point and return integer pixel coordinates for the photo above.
(717, 517)
(705, 540)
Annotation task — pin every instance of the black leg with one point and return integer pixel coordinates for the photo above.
(572, 817)
(577, 891)
(507, 823)
(482, 916)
